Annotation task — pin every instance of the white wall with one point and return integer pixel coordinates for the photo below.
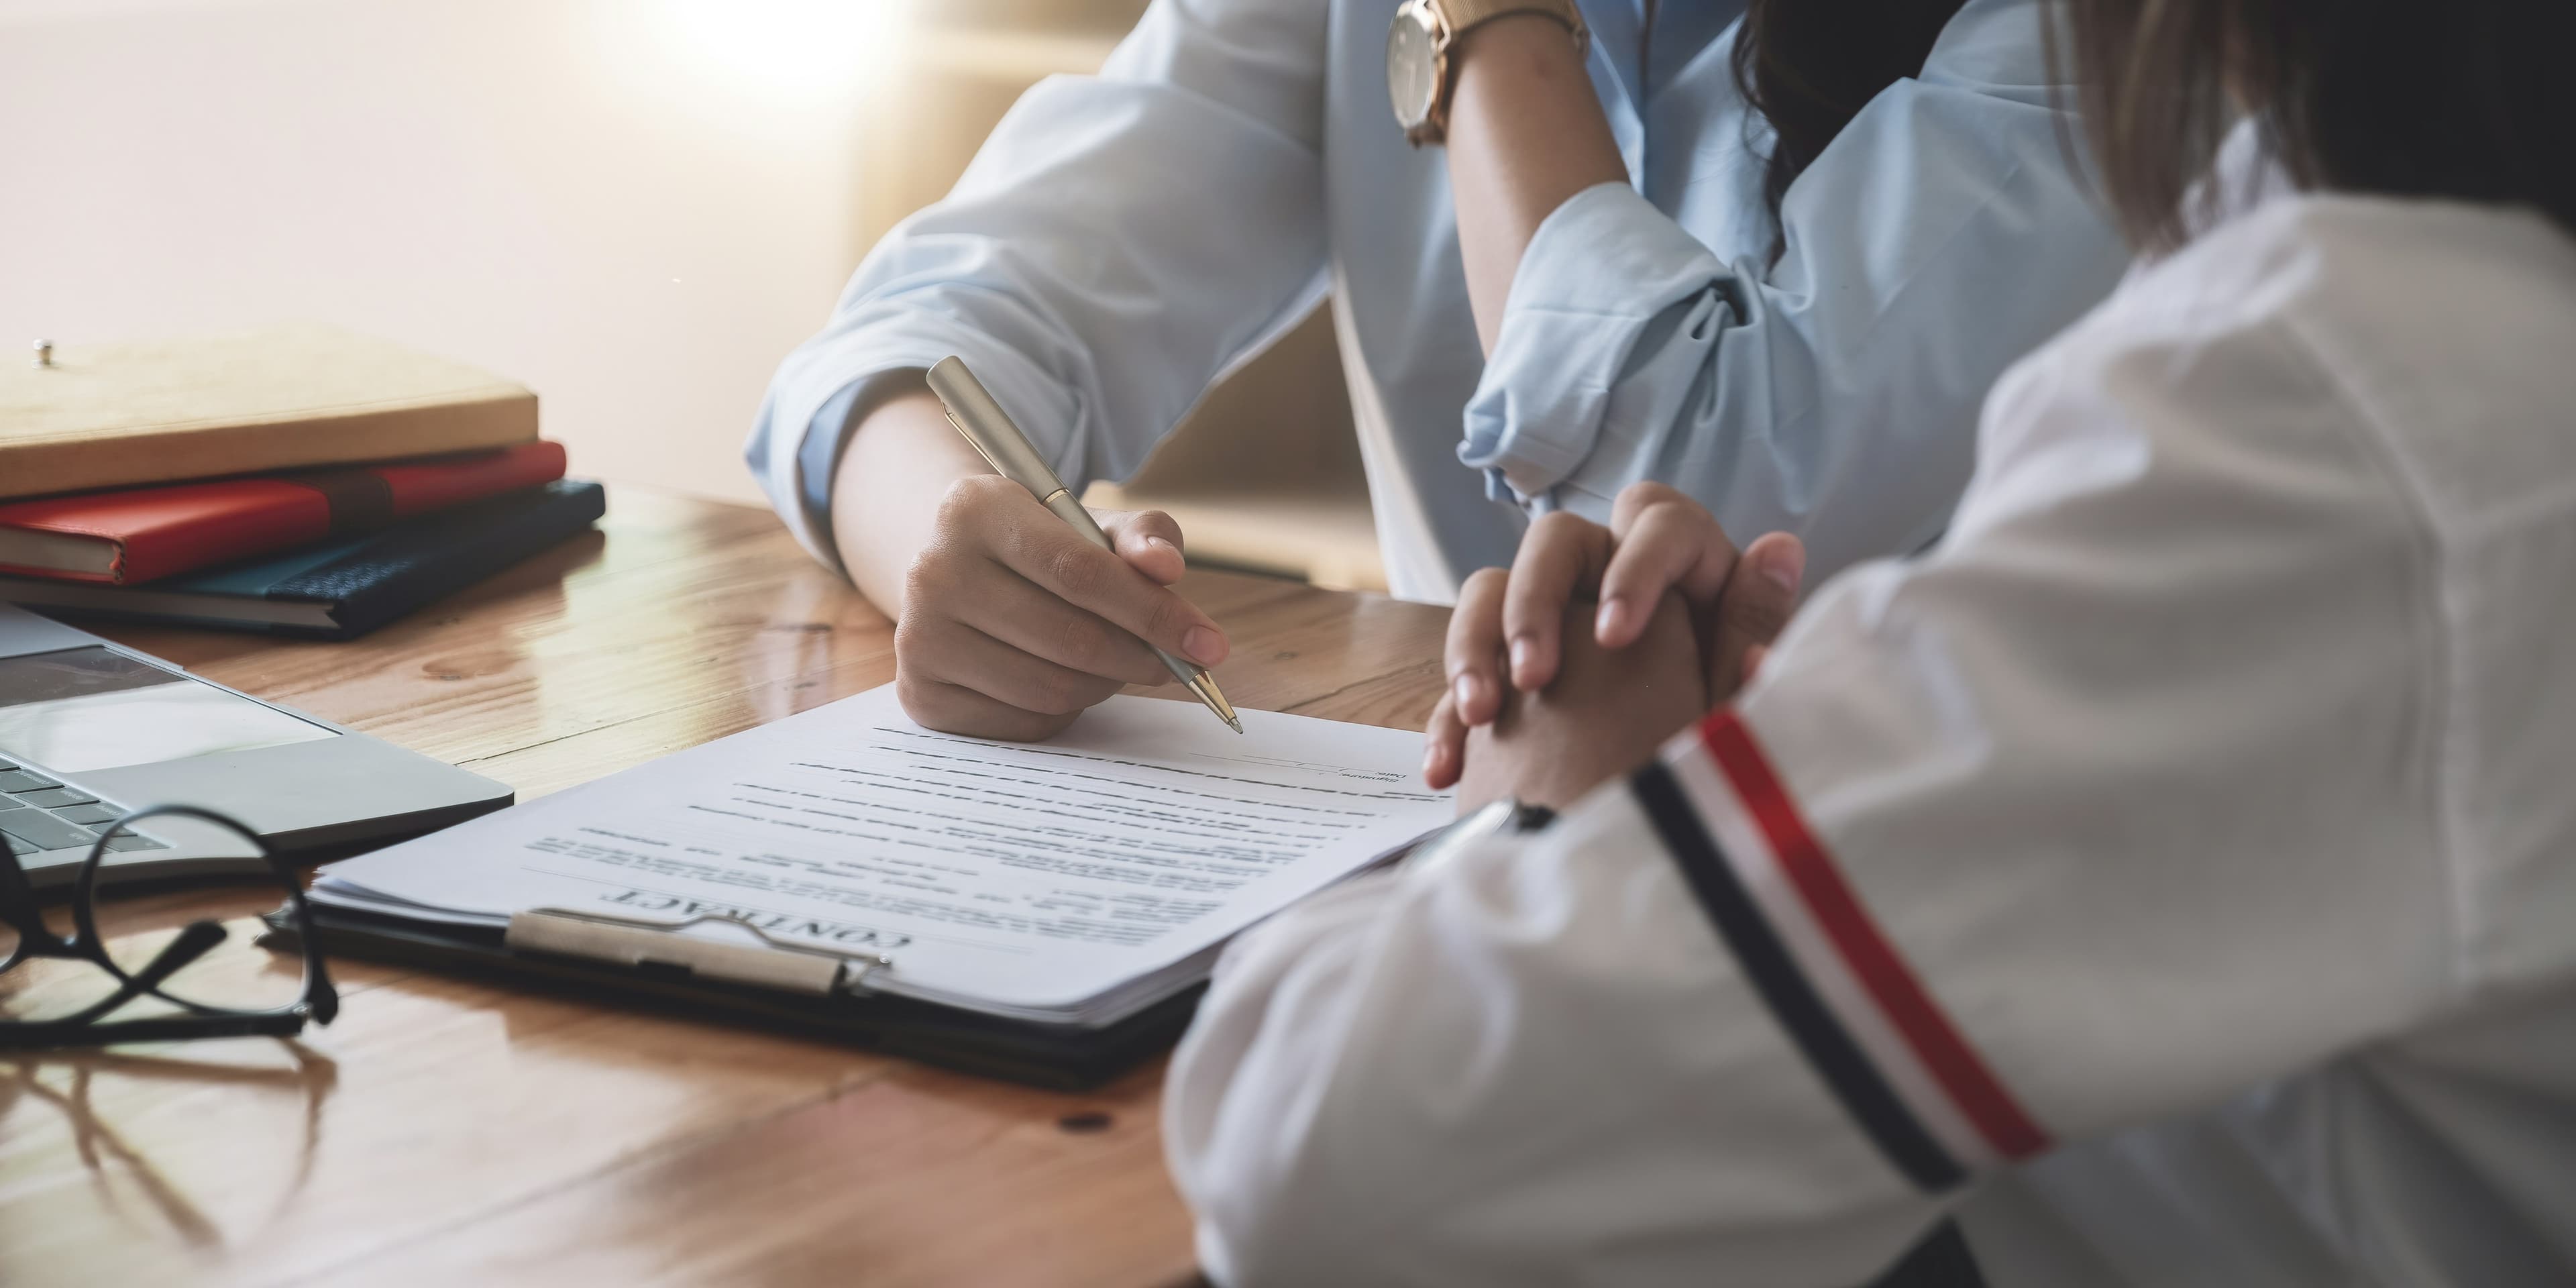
(634, 206)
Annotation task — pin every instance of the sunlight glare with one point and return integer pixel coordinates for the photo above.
(796, 46)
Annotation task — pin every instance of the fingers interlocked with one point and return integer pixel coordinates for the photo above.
(1506, 634)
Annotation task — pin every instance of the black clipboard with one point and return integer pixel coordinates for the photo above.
(1056, 1056)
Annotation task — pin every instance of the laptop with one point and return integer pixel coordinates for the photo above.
(90, 729)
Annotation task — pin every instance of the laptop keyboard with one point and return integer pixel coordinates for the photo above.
(38, 814)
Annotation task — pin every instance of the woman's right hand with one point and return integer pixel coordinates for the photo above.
(1012, 624)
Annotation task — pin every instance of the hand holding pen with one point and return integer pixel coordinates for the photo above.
(1015, 620)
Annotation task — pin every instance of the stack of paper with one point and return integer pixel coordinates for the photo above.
(1072, 882)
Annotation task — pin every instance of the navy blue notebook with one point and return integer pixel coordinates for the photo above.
(343, 590)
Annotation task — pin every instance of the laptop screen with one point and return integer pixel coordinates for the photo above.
(96, 708)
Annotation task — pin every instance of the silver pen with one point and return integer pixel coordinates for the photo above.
(990, 430)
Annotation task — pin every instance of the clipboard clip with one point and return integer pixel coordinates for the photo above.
(644, 944)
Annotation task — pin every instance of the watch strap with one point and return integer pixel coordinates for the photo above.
(1463, 16)
(1458, 17)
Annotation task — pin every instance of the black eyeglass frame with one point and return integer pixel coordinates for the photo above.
(319, 1004)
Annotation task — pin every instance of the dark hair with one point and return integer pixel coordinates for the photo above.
(2467, 99)
(1810, 66)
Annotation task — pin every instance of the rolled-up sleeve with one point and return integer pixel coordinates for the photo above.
(1833, 393)
(1602, 270)
(1117, 242)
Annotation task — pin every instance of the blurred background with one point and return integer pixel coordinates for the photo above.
(635, 207)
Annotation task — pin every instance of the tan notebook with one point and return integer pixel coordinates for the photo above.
(116, 415)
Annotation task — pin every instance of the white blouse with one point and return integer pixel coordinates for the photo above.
(2172, 874)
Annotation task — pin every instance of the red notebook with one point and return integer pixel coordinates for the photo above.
(148, 533)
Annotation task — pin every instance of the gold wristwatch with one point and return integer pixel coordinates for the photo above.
(1419, 73)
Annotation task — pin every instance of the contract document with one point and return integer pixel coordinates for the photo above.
(1072, 881)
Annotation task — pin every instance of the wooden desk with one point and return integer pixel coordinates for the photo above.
(444, 1131)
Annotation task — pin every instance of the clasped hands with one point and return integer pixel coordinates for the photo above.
(1599, 644)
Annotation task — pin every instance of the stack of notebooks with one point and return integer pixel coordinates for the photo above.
(300, 482)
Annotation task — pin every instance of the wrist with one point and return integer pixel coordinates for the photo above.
(1426, 42)
(901, 458)
(1525, 43)
(1521, 84)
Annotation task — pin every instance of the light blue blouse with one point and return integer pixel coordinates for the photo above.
(1121, 240)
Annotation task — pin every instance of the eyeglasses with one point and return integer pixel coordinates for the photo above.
(167, 979)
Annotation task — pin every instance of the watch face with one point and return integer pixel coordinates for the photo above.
(1412, 64)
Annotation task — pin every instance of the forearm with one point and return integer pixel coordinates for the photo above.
(886, 492)
(1525, 132)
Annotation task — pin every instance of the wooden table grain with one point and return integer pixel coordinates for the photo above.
(450, 1131)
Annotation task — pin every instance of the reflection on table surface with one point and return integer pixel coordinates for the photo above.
(274, 1089)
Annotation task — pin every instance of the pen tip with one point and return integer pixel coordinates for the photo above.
(1238, 725)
